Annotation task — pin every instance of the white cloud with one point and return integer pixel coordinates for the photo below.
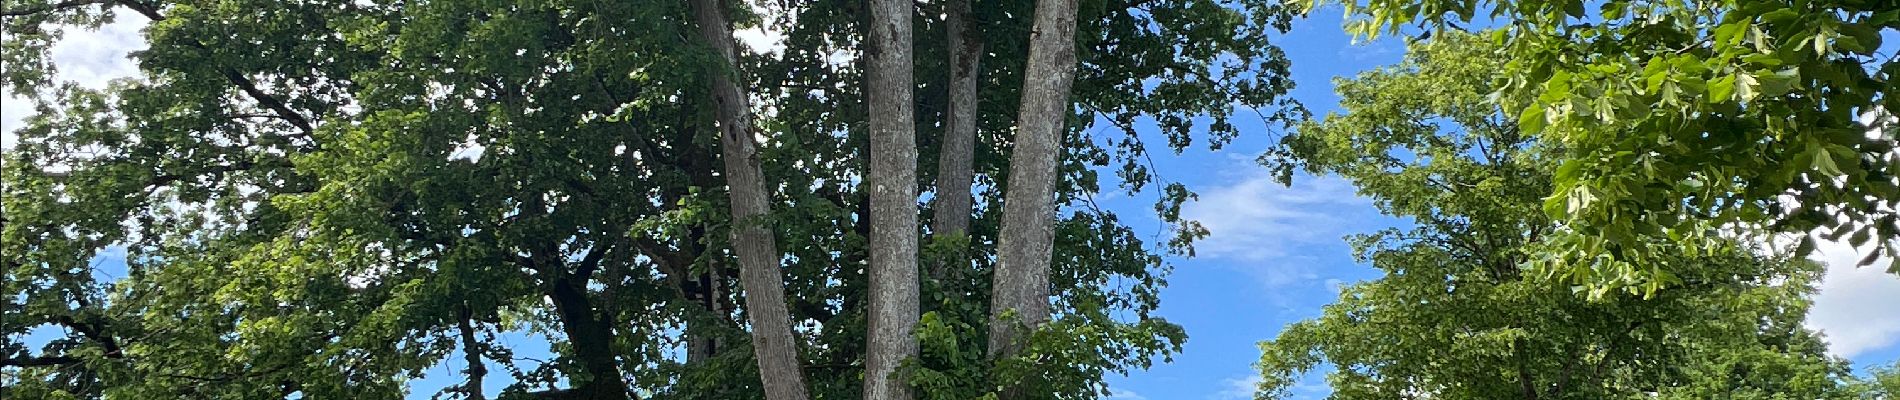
(472, 150)
(13, 112)
(1855, 307)
(1377, 50)
(1123, 394)
(1239, 388)
(1877, 121)
(761, 40)
(91, 58)
(1257, 219)
(1268, 229)
(765, 38)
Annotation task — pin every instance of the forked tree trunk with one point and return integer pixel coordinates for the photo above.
(752, 241)
(955, 174)
(892, 180)
(1021, 282)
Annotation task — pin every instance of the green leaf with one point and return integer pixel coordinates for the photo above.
(1780, 16)
(1722, 89)
(1866, 39)
(1823, 39)
(1824, 161)
(1745, 85)
(1730, 33)
(1777, 83)
(1580, 199)
(1532, 120)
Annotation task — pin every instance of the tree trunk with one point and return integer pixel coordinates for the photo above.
(954, 164)
(471, 354)
(892, 178)
(1025, 243)
(707, 289)
(592, 340)
(752, 242)
(704, 289)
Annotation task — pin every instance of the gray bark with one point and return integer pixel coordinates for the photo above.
(954, 170)
(753, 244)
(892, 180)
(1021, 281)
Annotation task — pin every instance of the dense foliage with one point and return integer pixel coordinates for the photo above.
(1458, 314)
(321, 199)
(1749, 114)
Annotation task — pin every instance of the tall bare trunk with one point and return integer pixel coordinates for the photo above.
(752, 242)
(893, 185)
(954, 170)
(1024, 245)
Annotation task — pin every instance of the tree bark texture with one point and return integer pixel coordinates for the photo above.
(1024, 247)
(955, 174)
(752, 241)
(892, 180)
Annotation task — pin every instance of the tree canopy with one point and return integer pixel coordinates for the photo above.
(321, 199)
(1459, 314)
(1738, 114)
(896, 200)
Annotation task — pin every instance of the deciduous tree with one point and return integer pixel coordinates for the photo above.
(1459, 315)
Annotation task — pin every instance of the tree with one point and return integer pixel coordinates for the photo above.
(1725, 107)
(474, 172)
(892, 176)
(952, 204)
(1882, 383)
(1025, 244)
(753, 243)
(1458, 315)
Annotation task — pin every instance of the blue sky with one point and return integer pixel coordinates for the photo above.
(1274, 256)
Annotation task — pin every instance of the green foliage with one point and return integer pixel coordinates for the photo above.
(1459, 314)
(1674, 121)
(324, 199)
(1882, 383)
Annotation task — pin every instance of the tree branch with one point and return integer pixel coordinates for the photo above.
(40, 361)
(472, 355)
(238, 79)
(93, 332)
(31, 10)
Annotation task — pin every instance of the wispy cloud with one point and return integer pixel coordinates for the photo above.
(1123, 394)
(1269, 230)
(1239, 388)
(1257, 219)
(1376, 50)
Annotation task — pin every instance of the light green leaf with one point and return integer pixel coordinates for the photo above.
(1722, 89)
